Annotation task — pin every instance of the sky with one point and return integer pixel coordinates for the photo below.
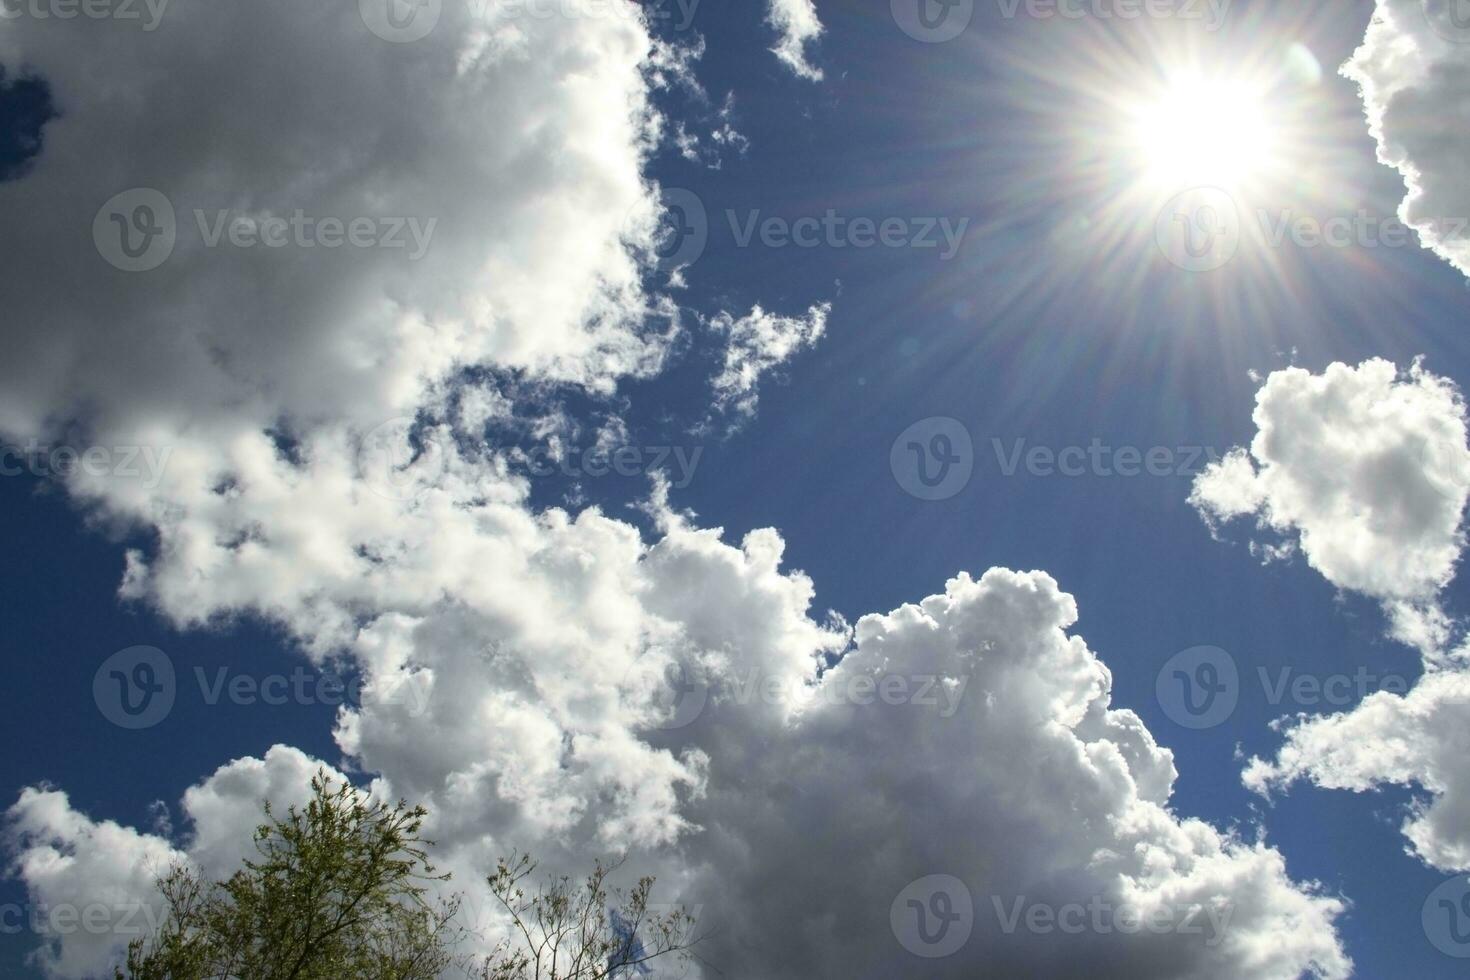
(953, 489)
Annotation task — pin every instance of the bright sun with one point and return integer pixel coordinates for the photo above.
(1199, 131)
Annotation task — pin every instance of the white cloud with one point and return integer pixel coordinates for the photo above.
(1366, 470)
(522, 137)
(69, 861)
(71, 865)
(1414, 70)
(797, 25)
(1022, 780)
(755, 345)
(515, 659)
(1001, 763)
(1419, 739)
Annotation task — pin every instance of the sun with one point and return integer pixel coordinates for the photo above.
(1195, 131)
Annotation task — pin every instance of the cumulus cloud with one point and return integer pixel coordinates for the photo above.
(1365, 470)
(71, 862)
(513, 144)
(755, 345)
(967, 735)
(797, 25)
(329, 471)
(74, 867)
(1414, 70)
(1013, 774)
(1416, 740)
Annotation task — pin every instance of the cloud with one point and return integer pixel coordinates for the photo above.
(1417, 740)
(755, 345)
(71, 862)
(968, 735)
(1365, 470)
(73, 867)
(1414, 71)
(1013, 774)
(797, 24)
(328, 470)
(515, 143)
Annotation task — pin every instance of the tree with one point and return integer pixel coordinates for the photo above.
(336, 891)
(567, 932)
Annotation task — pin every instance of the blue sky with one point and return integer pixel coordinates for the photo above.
(1057, 323)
